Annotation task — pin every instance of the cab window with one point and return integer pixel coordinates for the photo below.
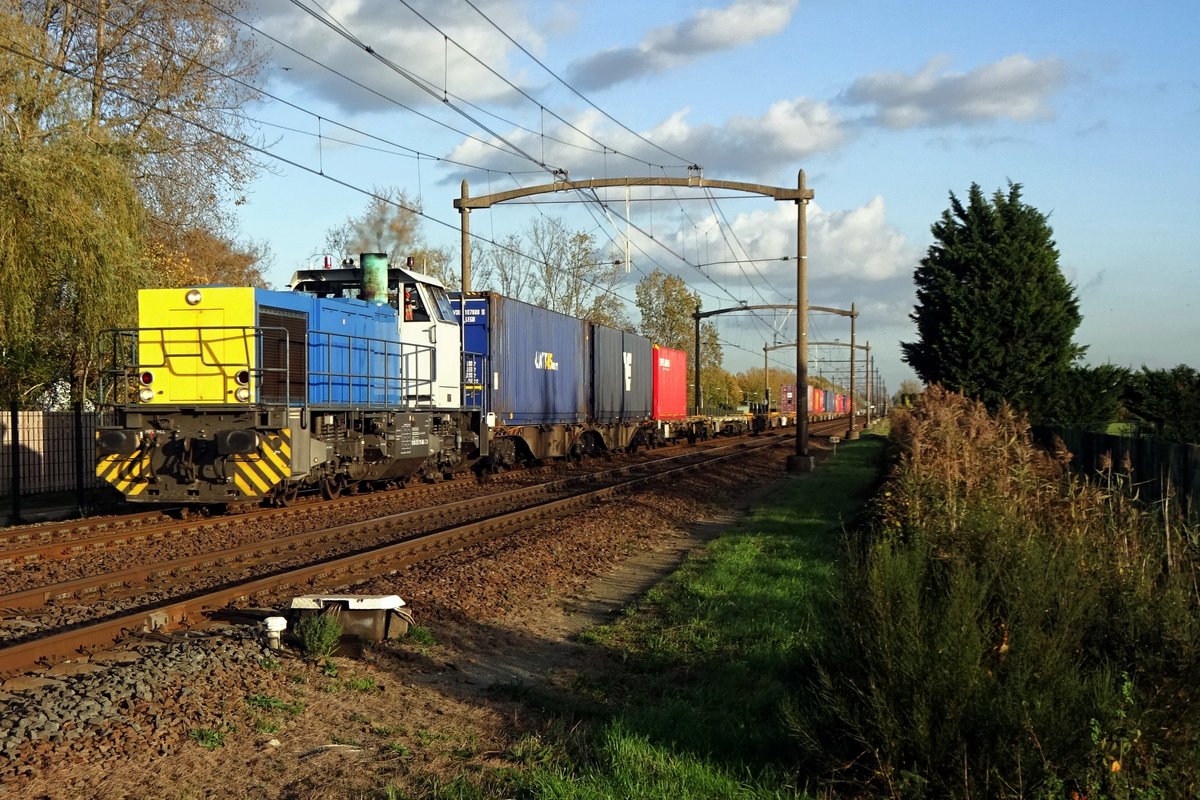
(444, 309)
(414, 306)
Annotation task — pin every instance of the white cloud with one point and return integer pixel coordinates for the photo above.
(1015, 88)
(859, 243)
(394, 33)
(788, 132)
(708, 31)
(855, 245)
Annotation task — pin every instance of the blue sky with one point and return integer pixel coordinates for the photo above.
(888, 107)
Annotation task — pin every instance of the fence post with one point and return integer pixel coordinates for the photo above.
(79, 494)
(15, 450)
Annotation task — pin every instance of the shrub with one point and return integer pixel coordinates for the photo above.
(319, 635)
(1004, 630)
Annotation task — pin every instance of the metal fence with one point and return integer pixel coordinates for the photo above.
(47, 451)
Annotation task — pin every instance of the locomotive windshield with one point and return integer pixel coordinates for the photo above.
(445, 311)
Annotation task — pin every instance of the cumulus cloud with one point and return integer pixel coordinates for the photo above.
(855, 257)
(311, 53)
(740, 148)
(1015, 88)
(708, 31)
(851, 252)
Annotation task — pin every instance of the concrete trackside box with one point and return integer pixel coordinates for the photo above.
(622, 375)
(534, 365)
(670, 383)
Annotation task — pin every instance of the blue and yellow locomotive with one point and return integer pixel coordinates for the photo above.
(230, 394)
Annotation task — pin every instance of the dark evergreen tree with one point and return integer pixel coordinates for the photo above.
(994, 314)
(1167, 401)
(1088, 398)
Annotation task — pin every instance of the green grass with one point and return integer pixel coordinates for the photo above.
(208, 738)
(712, 652)
(267, 702)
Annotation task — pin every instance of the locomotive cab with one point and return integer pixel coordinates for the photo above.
(426, 317)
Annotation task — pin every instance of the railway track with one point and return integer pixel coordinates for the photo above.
(53, 622)
(26, 552)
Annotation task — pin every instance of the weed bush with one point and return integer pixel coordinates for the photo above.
(319, 636)
(1005, 630)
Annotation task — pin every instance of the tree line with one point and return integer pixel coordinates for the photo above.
(120, 151)
(996, 321)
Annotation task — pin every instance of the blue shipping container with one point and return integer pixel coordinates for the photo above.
(533, 364)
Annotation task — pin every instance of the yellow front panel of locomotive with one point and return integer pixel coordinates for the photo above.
(194, 342)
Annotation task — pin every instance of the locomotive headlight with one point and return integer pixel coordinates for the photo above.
(146, 378)
(192, 297)
(243, 377)
(242, 395)
(145, 394)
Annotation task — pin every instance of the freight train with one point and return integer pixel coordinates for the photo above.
(369, 375)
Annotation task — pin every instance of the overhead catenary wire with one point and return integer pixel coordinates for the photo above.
(420, 83)
(429, 88)
(571, 88)
(419, 155)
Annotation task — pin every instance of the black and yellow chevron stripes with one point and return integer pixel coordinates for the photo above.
(129, 474)
(256, 473)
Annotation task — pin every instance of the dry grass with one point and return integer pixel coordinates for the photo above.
(1008, 629)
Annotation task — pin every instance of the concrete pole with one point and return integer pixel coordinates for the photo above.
(801, 461)
(465, 228)
(867, 364)
(766, 380)
(853, 432)
(696, 316)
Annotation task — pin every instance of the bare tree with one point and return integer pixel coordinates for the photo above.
(558, 269)
(503, 267)
(391, 224)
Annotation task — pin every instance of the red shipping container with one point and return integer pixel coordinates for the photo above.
(787, 398)
(670, 383)
(816, 400)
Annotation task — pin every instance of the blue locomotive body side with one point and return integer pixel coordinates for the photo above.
(354, 351)
(327, 352)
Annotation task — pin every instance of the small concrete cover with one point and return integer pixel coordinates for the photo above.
(353, 602)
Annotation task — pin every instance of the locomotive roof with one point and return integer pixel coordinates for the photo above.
(336, 281)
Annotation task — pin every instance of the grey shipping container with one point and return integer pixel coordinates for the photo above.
(536, 361)
(622, 375)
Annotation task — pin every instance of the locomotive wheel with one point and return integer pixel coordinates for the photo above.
(285, 495)
(331, 489)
